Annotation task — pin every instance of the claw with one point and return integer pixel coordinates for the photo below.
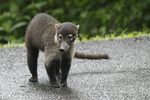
(63, 85)
(33, 79)
(55, 86)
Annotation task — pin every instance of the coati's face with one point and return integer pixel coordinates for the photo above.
(66, 35)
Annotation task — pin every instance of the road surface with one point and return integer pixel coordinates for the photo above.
(126, 76)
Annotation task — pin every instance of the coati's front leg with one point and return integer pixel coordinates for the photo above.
(65, 67)
(51, 71)
(32, 55)
(58, 73)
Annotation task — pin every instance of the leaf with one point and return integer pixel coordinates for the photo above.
(40, 4)
(2, 29)
(13, 7)
(124, 31)
(18, 25)
(84, 14)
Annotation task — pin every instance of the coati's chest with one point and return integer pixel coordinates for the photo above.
(52, 52)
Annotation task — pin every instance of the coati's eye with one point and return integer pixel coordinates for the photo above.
(60, 36)
(70, 37)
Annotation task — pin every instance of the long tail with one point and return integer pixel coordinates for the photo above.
(90, 56)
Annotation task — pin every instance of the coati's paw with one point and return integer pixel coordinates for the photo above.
(63, 84)
(33, 79)
(55, 86)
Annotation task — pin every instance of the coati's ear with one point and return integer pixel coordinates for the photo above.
(57, 25)
(78, 26)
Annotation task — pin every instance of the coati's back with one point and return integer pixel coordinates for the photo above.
(39, 26)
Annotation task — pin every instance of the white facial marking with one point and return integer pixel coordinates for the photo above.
(70, 35)
(55, 38)
(60, 36)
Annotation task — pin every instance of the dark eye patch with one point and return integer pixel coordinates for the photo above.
(60, 37)
(70, 37)
(75, 37)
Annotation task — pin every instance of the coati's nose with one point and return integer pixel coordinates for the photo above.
(62, 50)
(63, 47)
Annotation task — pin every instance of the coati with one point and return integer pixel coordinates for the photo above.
(57, 41)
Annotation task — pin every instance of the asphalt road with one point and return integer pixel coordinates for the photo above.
(126, 76)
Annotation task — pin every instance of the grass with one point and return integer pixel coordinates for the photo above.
(9, 45)
(96, 38)
(121, 36)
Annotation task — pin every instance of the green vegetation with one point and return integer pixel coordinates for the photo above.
(123, 35)
(96, 38)
(9, 45)
(98, 18)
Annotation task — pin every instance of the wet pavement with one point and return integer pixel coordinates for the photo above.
(126, 76)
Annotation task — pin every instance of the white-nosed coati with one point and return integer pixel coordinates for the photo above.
(57, 40)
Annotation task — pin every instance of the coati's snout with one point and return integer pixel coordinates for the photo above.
(64, 47)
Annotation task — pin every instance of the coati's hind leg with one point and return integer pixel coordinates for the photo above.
(32, 55)
(65, 67)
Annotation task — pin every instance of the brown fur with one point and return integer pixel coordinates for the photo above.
(90, 56)
(57, 41)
